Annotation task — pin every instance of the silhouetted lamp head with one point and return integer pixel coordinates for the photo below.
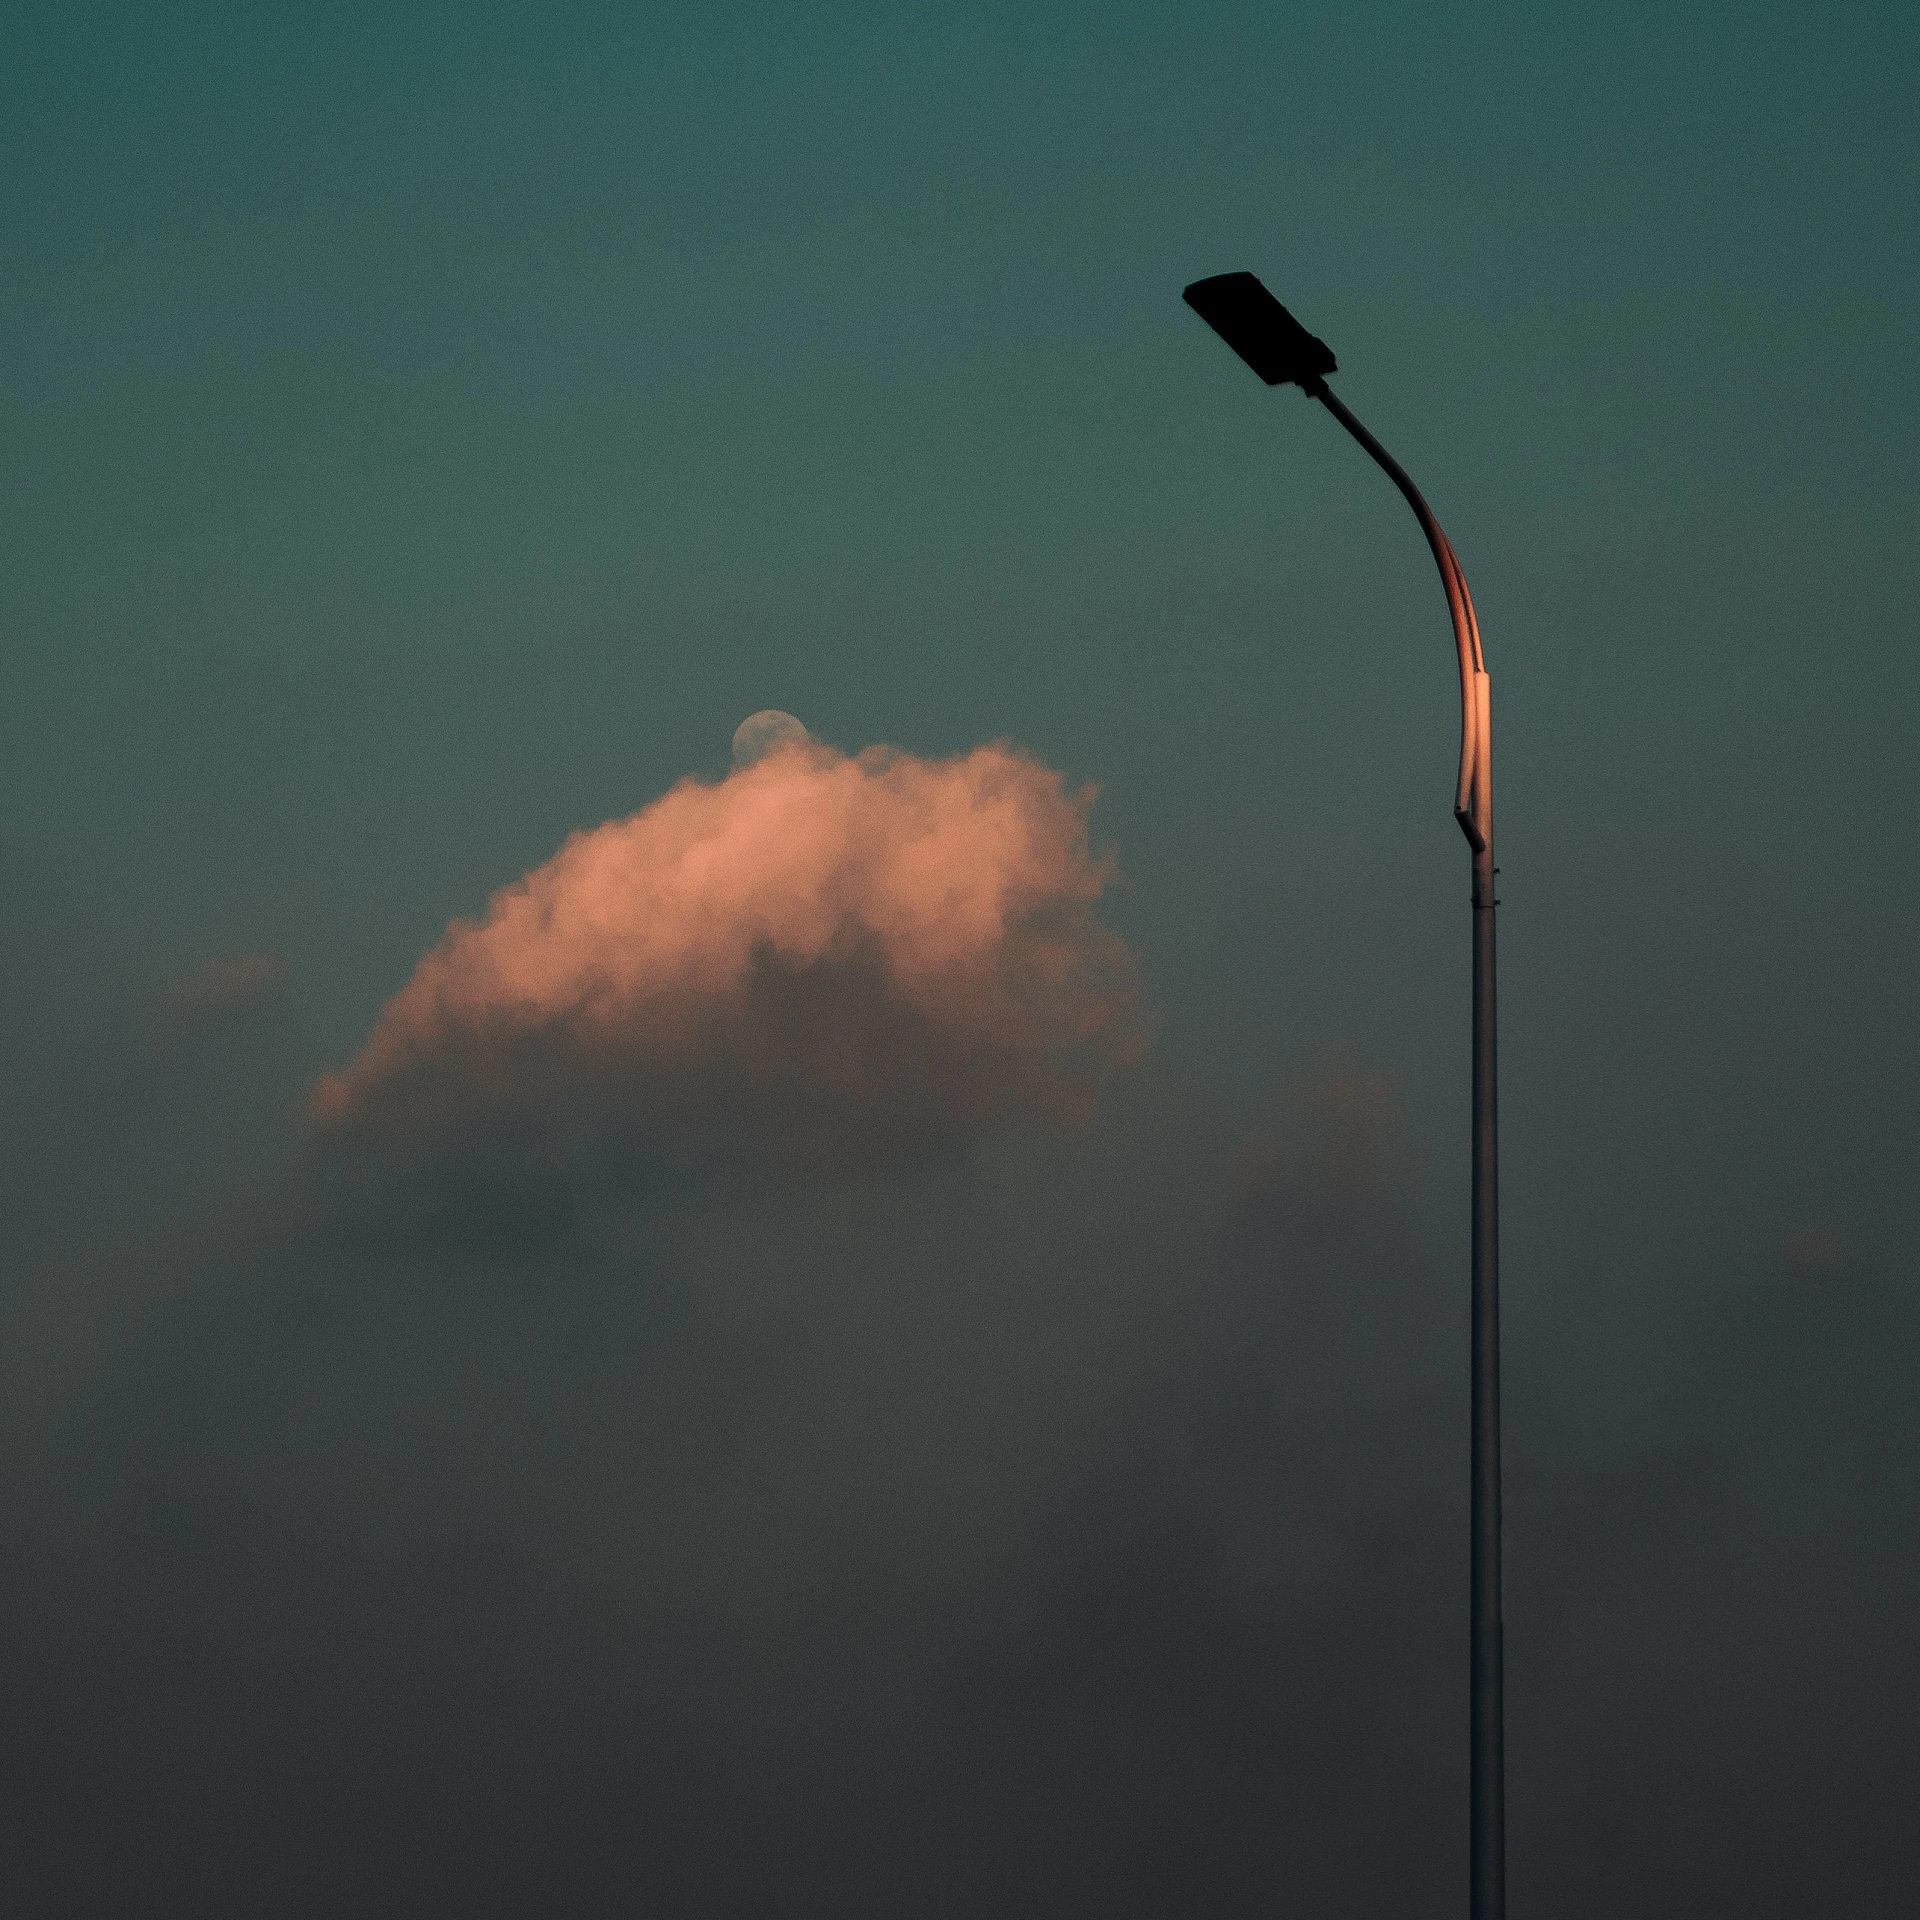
(1260, 330)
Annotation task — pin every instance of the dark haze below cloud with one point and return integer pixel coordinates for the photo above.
(1035, 1538)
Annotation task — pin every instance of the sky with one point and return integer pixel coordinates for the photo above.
(589, 1329)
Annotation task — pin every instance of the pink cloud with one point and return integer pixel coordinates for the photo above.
(819, 964)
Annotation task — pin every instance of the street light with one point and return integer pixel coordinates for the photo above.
(1282, 352)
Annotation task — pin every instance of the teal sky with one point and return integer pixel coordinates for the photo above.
(430, 434)
(430, 431)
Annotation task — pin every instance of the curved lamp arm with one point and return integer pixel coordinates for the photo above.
(1282, 352)
(1473, 797)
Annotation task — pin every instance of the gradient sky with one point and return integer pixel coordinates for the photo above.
(431, 431)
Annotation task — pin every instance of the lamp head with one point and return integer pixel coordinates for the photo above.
(1260, 330)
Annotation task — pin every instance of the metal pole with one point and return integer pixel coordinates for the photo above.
(1487, 1813)
(1473, 808)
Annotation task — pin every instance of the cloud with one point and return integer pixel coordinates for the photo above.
(1819, 1253)
(818, 965)
(221, 992)
(1333, 1183)
(225, 982)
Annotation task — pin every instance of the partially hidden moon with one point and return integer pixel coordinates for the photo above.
(757, 735)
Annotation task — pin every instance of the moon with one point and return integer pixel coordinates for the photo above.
(760, 733)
